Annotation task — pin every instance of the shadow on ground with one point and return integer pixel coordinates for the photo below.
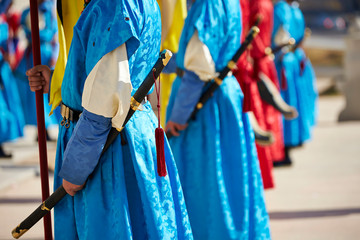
(313, 214)
(19, 200)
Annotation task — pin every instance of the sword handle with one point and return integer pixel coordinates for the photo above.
(39, 213)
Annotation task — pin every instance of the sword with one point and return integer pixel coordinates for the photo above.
(270, 94)
(136, 99)
(275, 50)
(291, 45)
(218, 80)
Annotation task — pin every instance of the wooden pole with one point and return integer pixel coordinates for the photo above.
(44, 174)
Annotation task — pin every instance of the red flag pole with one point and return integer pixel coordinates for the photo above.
(44, 174)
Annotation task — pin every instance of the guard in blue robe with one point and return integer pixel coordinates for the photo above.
(296, 131)
(215, 152)
(296, 76)
(11, 114)
(306, 74)
(48, 29)
(121, 196)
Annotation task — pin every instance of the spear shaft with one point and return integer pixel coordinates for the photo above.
(44, 174)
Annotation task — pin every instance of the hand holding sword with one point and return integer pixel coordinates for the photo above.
(137, 98)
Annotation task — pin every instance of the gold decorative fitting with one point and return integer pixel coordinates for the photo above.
(218, 81)
(62, 110)
(44, 208)
(268, 51)
(199, 105)
(67, 124)
(168, 55)
(231, 65)
(255, 30)
(308, 32)
(65, 113)
(134, 104)
(16, 234)
(119, 129)
(292, 41)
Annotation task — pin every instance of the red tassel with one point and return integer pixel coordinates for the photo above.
(283, 79)
(242, 74)
(159, 138)
(247, 97)
(160, 153)
(302, 66)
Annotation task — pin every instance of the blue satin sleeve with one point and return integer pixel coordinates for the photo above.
(187, 97)
(83, 151)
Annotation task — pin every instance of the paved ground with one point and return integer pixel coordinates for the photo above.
(317, 198)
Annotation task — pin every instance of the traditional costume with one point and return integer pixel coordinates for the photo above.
(12, 118)
(48, 30)
(216, 154)
(296, 130)
(114, 46)
(307, 74)
(264, 67)
(14, 49)
(247, 75)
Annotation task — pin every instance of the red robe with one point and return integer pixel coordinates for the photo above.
(263, 63)
(252, 100)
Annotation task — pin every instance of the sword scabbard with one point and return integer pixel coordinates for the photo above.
(60, 193)
(216, 83)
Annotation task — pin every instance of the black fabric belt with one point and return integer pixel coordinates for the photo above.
(68, 115)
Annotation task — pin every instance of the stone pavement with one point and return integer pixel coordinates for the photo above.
(317, 198)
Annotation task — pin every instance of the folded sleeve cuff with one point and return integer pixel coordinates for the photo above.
(83, 151)
(187, 97)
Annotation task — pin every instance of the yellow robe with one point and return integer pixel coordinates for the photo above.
(173, 14)
(70, 12)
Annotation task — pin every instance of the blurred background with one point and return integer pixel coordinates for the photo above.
(318, 197)
(331, 22)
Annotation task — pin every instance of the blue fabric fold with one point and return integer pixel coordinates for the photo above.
(81, 157)
(300, 92)
(11, 115)
(4, 30)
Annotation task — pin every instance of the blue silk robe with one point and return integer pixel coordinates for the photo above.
(11, 114)
(216, 154)
(307, 74)
(124, 198)
(296, 131)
